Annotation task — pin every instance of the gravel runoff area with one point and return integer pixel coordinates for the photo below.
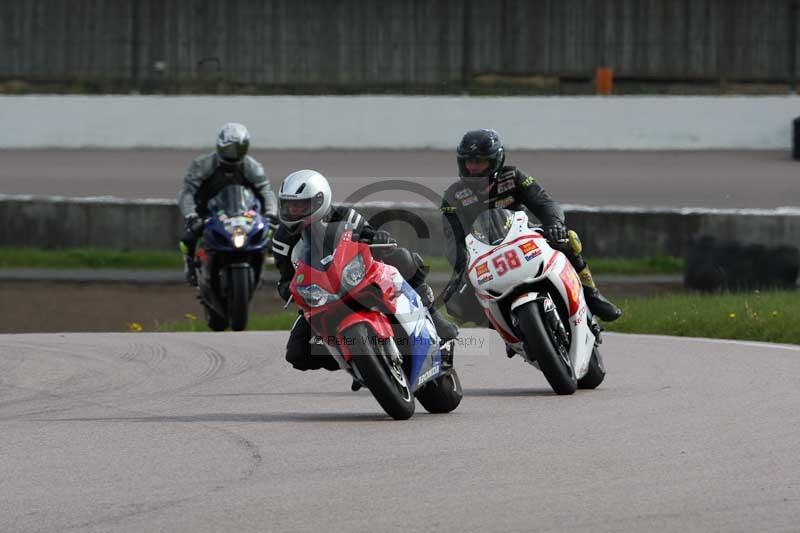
(63, 306)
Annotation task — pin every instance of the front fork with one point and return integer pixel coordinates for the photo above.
(549, 314)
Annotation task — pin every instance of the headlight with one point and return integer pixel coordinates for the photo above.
(238, 228)
(353, 273)
(314, 295)
(239, 237)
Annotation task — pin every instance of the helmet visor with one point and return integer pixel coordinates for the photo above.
(294, 210)
(232, 152)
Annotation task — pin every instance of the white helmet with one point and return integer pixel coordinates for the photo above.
(304, 198)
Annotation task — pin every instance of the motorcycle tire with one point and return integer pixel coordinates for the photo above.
(441, 395)
(239, 298)
(387, 383)
(596, 373)
(537, 337)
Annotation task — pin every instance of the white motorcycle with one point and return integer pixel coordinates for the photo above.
(534, 299)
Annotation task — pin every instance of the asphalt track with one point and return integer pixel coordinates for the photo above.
(215, 432)
(716, 179)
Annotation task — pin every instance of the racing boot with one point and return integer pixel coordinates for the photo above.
(189, 270)
(598, 304)
(444, 328)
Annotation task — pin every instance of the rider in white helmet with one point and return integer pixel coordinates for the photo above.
(305, 198)
(208, 174)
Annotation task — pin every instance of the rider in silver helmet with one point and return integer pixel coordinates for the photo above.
(208, 174)
(304, 199)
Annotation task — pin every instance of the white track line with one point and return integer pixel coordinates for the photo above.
(755, 344)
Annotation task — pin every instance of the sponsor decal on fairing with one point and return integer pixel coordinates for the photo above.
(429, 374)
(530, 250)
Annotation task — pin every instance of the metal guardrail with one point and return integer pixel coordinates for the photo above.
(58, 222)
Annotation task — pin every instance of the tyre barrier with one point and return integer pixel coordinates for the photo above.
(734, 266)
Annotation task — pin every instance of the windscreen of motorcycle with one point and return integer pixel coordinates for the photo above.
(233, 200)
(492, 226)
(318, 243)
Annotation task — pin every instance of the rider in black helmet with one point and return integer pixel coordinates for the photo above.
(485, 183)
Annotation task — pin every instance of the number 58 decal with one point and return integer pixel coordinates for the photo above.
(505, 262)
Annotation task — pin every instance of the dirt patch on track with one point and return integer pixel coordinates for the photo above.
(39, 307)
(42, 307)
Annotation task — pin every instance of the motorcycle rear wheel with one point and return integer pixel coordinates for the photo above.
(386, 381)
(596, 373)
(441, 395)
(542, 341)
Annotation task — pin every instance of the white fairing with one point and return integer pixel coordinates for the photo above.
(525, 257)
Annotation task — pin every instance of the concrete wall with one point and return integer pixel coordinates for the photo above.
(615, 232)
(406, 42)
(365, 122)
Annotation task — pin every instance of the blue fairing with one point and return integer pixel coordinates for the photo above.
(423, 344)
(217, 238)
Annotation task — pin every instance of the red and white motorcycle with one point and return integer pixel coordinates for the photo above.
(534, 299)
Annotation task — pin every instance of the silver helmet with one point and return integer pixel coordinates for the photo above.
(233, 141)
(304, 198)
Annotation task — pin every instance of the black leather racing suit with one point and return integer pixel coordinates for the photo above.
(511, 189)
(410, 265)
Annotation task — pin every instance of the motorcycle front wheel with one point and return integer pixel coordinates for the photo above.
(386, 380)
(542, 340)
(239, 298)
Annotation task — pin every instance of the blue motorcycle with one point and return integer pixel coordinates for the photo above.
(230, 255)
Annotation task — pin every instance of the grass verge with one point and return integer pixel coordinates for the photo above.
(758, 316)
(764, 316)
(71, 258)
(268, 322)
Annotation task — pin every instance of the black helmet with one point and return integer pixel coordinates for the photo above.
(480, 144)
(233, 141)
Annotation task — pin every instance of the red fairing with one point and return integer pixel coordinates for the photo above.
(572, 284)
(376, 274)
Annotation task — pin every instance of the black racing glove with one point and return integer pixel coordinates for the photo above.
(555, 232)
(382, 237)
(193, 223)
(272, 220)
